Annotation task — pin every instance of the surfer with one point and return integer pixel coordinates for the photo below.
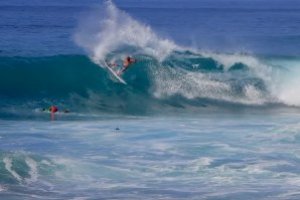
(128, 61)
(53, 109)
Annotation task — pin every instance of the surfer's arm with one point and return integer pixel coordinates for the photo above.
(126, 66)
(112, 64)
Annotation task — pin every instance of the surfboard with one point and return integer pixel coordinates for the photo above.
(119, 78)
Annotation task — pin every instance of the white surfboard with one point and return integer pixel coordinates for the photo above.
(119, 78)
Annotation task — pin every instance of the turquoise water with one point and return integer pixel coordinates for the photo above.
(210, 109)
(219, 156)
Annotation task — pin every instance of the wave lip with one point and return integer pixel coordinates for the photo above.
(115, 30)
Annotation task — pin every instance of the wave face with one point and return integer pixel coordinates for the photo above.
(165, 77)
(183, 80)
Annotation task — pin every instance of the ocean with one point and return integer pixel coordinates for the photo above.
(210, 109)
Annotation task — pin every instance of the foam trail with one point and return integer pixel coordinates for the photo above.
(8, 166)
(112, 29)
(33, 169)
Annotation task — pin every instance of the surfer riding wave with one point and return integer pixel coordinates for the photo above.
(127, 62)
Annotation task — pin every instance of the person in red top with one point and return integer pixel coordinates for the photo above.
(126, 64)
(53, 109)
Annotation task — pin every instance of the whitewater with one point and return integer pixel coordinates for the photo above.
(210, 109)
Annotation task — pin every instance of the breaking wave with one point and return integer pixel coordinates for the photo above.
(166, 75)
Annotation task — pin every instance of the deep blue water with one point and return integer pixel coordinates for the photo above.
(210, 109)
(259, 27)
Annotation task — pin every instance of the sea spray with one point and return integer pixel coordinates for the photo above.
(111, 29)
(287, 81)
(116, 33)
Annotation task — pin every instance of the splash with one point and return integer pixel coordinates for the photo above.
(33, 172)
(287, 81)
(111, 29)
(8, 166)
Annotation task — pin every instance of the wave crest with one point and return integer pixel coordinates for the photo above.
(111, 29)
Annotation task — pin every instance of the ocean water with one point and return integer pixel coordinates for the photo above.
(210, 109)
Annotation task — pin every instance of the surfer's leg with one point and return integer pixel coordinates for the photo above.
(119, 72)
(122, 70)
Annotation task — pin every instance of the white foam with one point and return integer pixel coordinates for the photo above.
(33, 169)
(281, 86)
(191, 85)
(161, 146)
(283, 81)
(263, 166)
(3, 188)
(46, 162)
(289, 86)
(111, 29)
(288, 194)
(8, 166)
(198, 164)
(260, 69)
(80, 198)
